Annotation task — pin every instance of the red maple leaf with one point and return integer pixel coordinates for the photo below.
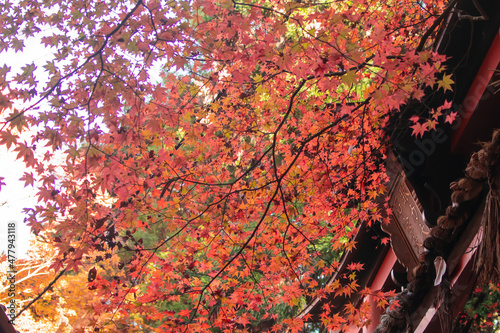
(355, 266)
(419, 129)
(450, 118)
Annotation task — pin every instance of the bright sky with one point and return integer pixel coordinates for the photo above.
(14, 196)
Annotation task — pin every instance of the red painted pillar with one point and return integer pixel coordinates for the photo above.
(383, 274)
(476, 91)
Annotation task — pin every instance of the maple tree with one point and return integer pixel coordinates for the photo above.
(221, 197)
(64, 306)
(481, 311)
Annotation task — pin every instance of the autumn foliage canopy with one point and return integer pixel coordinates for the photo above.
(221, 195)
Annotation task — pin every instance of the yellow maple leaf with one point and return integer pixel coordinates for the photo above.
(446, 82)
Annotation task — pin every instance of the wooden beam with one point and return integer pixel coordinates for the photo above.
(5, 325)
(459, 267)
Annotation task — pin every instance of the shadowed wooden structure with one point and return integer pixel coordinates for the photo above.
(443, 192)
(5, 325)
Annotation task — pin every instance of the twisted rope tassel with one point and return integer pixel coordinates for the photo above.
(488, 263)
